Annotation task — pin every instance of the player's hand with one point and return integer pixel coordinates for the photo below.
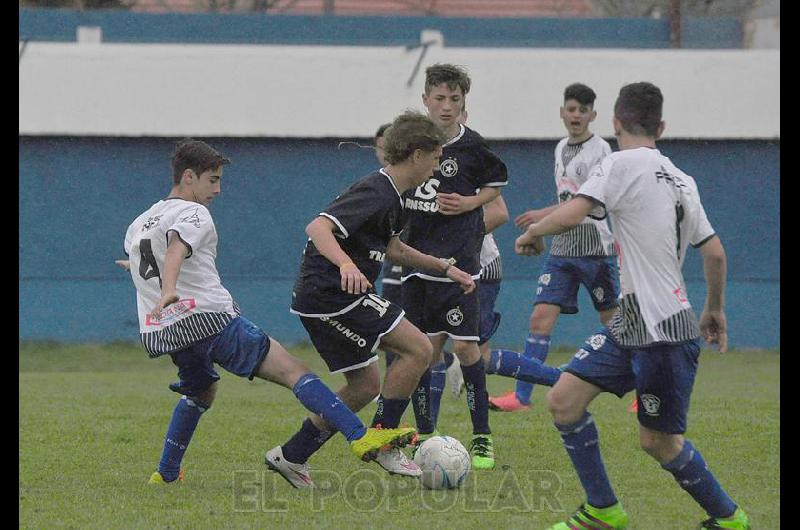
(529, 245)
(714, 327)
(167, 298)
(454, 204)
(528, 218)
(462, 278)
(353, 281)
(124, 263)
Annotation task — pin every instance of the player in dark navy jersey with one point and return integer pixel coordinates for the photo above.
(337, 304)
(446, 220)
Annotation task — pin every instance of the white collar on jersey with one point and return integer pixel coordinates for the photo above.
(385, 174)
(457, 137)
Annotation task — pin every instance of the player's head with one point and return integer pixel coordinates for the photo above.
(638, 110)
(415, 139)
(379, 142)
(446, 87)
(197, 169)
(578, 109)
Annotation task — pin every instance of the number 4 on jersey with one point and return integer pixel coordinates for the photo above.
(148, 268)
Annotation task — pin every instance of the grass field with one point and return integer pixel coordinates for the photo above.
(93, 418)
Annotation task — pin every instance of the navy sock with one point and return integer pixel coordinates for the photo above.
(179, 433)
(438, 377)
(421, 399)
(305, 442)
(582, 443)
(389, 412)
(477, 397)
(536, 347)
(321, 400)
(448, 358)
(512, 364)
(691, 472)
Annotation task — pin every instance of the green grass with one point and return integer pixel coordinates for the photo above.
(93, 417)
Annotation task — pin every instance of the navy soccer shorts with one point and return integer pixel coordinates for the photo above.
(348, 341)
(662, 375)
(561, 276)
(391, 292)
(442, 308)
(490, 319)
(239, 348)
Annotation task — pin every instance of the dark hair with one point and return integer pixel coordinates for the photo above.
(381, 130)
(638, 108)
(580, 93)
(195, 155)
(411, 131)
(454, 76)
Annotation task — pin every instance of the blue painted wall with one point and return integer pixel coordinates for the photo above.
(78, 195)
(248, 28)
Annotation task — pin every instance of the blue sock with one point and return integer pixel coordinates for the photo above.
(179, 433)
(321, 400)
(583, 446)
(536, 347)
(512, 364)
(691, 472)
(438, 377)
(477, 397)
(421, 399)
(389, 412)
(448, 358)
(305, 442)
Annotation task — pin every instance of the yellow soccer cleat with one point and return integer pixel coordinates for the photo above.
(376, 440)
(156, 478)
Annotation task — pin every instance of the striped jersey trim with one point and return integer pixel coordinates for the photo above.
(581, 240)
(493, 270)
(570, 151)
(184, 333)
(629, 328)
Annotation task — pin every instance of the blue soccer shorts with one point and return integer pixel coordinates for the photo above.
(662, 375)
(348, 341)
(239, 348)
(490, 319)
(561, 276)
(439, 308)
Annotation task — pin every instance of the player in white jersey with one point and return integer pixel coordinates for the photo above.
(583, 255)
(652, 344)
(186, 313)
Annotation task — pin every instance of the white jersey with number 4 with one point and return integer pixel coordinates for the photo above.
(655, 213)
(574, 164)
(205, 306)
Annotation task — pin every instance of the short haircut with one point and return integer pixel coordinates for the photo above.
(580, 93)
(453, 76)
(195, 155)
(381, 130)
(411, 131)
(638, 108)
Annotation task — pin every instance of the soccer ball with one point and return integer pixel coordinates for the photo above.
(444, 462)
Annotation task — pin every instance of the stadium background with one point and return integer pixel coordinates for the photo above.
(276, 93)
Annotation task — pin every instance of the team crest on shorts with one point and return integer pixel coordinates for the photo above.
(598, 294)
(651, 404)
(449, 168)
(455, 317)
(544, 279)
(597, 341)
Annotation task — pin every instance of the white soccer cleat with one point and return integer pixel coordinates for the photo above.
(455, 378)
(298, 475)
(395, 462)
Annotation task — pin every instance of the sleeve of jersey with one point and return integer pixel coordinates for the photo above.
(126, 244)
(598, 190)
(351, 209)
(495, 173)
(193, 225)
(700, 229)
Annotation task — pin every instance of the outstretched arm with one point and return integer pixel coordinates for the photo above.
(399, 252)
(523, 220)
(320, 230)
(495, 214)
(713, 324)
(176, 253)
(566, 216)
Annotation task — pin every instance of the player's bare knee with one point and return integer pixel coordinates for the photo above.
(661, 446)
(205, 399)
(563, 408)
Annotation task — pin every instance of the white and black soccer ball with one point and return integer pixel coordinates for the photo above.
(445, 463)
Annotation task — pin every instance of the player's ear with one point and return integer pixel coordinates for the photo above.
(187, 175)
(617, 126)
(425, 99)
(660, 130)
(592, 116)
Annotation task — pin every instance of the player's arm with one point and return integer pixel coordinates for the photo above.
(399, 252)
(563, 218)
(124, 263)
(713, 324)
(177, 251)
(321, 231)
(523, 220)
(454, 203)
(495, 214)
